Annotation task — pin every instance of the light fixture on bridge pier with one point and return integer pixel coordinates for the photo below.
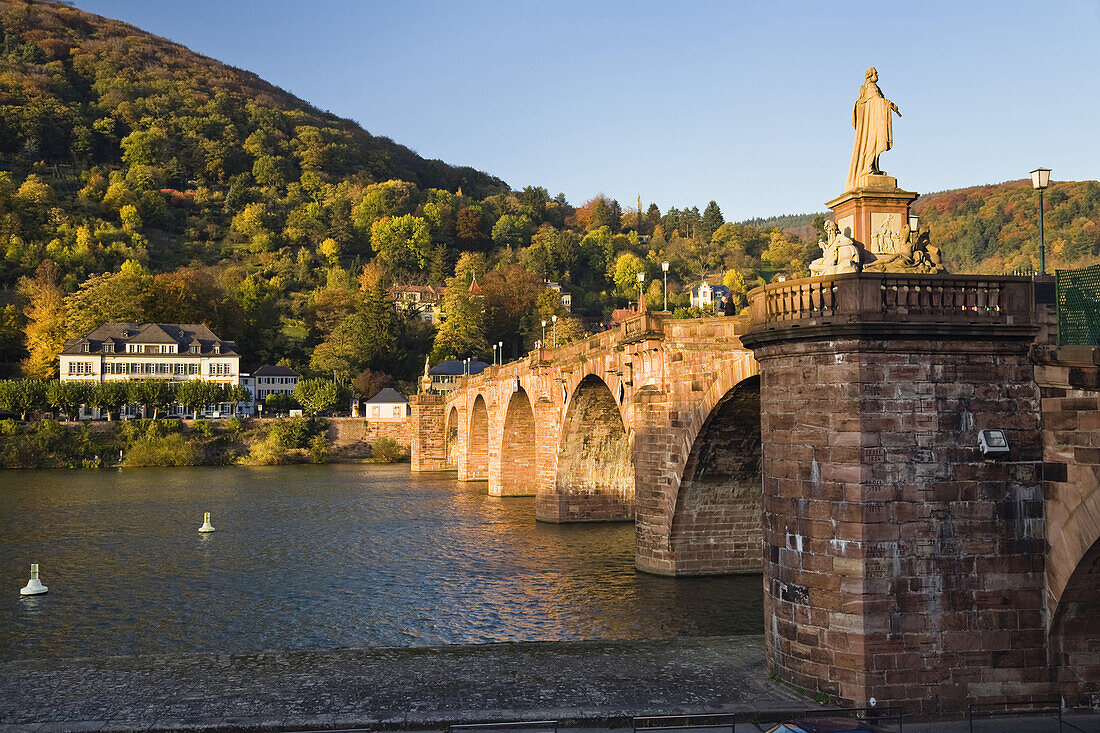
(1040, 179)
(664, 268)
(913, 225)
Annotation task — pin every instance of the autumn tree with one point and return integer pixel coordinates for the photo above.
(403, 243)
(45, 329)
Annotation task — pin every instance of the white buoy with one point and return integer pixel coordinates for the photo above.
(206, 526)
(34, 586)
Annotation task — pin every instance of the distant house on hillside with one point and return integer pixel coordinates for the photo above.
(706, 297)
(425, 300)
(565, 298)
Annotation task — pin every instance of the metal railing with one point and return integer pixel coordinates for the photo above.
(1049, 708)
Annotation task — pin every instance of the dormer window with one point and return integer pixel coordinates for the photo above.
(108, 348)
(85, 348)
(194, 349)
(217, 348)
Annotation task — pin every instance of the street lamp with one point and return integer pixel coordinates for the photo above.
(543, 332)
(664, 267)
(1040, 179)
(913, 223)
(641, 282)
(500, 350)
(494, 354)
(554, 327)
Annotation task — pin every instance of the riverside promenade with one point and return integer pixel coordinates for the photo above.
(581, 683)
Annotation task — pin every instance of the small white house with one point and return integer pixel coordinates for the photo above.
(389, 405)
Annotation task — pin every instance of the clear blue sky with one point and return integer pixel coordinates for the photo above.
(747, 103)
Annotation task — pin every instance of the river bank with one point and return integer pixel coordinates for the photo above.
(591, 682)
(173, 442)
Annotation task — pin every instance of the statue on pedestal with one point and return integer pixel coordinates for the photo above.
(839, 253)
(874, 129)
(919, 256)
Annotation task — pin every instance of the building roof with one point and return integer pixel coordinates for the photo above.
(429, 290)
(267, 370)
(182, 334)
(714, 289)
(455, 368)
(474, 287)
(389, 395)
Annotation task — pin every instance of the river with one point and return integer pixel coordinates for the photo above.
(316, 557)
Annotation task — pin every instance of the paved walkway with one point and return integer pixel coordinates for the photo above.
(584, 682)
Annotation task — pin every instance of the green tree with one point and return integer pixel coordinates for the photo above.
(197, 394)
(316, 395)
(21, 396)
(403, 243)
(109, 397)
(712, 219)
(462, 334)
(123, 296)
(625, 276)
(511, 231)
(154, 394)
(67, 397)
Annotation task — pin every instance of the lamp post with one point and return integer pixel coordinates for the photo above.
(543, 332)
(500, 350)
(664, 268)
(554, 327)
(913, 223)
(494, 354)
(1040, 179)
(641, 282)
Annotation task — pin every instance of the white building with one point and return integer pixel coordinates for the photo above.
(706, 296)
(388, 405)
(169, 351)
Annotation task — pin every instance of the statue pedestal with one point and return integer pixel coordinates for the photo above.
(875, 215)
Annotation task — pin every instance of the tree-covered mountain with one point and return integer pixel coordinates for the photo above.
(141, 182)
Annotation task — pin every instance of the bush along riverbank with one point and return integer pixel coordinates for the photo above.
(51, 444)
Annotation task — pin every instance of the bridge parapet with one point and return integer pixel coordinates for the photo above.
(950, 304)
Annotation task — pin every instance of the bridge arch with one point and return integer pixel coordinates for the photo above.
(716, 522)
(477, 441)
(594, 480)
(518, 447)
(451, 438)
(1075, 628)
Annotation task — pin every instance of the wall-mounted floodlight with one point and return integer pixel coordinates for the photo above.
(992, 442)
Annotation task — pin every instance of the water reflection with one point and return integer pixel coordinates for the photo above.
(318, 557)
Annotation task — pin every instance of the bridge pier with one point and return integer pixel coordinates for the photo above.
(428, 436)
(900, 563)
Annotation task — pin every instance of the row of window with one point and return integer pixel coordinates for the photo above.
(376, 411)
(214, 370)
(263, 393)
(276, 380)
(109, 348)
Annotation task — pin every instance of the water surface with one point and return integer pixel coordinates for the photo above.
(312, 557)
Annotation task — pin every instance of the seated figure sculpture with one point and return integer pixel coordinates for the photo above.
(921, 256)
(839, 253)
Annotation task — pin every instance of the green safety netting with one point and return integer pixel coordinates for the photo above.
(1078, 298)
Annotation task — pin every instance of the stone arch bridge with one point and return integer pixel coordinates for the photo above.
(830, 442)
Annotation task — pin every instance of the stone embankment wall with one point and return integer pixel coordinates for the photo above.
(352, 436)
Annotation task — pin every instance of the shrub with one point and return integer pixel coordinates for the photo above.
(318, 449)
(266, 452)
(203, 427)
(234, 426)
(168, 450)
(386, 450)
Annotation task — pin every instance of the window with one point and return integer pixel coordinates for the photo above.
(85, 348)
(217, 348)
(108, 347)
(397, 410)
(192, 368)
(80, 367)
(194, 349)
(374, 411)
